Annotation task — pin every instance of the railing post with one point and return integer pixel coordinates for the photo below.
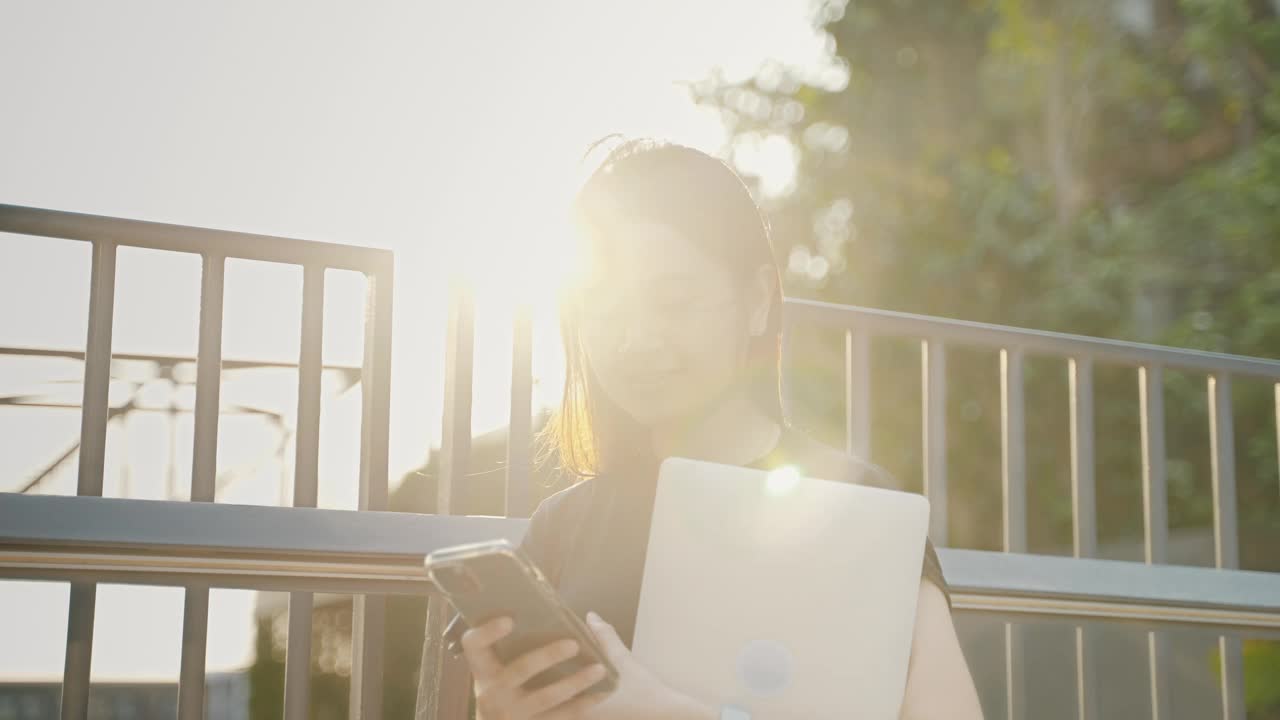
(934, 421)
(297, 663)
(857, 393)
(195, 612)
(1155, 511)
(369, 612)
(93, 442)
(1225, 532)
(520, 423)
(1084, 518)
(1014, 480)
(443, 687)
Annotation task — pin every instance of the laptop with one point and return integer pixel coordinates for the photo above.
(782, 595)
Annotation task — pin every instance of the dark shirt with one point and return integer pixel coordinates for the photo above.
(590, 540)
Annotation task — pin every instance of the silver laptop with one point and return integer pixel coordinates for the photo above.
(783, 595)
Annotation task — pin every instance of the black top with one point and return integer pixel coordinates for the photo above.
(590, 540)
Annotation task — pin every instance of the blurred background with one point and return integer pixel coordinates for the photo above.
(1102, 167)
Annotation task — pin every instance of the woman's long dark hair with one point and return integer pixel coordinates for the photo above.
(706, 202)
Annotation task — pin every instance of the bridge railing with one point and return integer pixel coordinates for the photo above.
(88, 539)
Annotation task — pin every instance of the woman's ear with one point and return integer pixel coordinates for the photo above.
(763, 291)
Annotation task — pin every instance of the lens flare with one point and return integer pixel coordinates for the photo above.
(782, 481)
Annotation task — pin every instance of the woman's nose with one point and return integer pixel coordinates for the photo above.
(640, 332)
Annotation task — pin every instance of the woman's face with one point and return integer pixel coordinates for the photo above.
(664, 325)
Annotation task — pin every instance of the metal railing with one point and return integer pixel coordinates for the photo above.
(107, 235)
(860, 325)
(305, 550)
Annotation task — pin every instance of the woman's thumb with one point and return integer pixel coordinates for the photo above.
(606, 634)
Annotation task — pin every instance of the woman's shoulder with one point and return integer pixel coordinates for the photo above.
(570, 500)
(820, 460)
(817, 459)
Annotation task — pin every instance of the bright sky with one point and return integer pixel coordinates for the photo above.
(448, 132)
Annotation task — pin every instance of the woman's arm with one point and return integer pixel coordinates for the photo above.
(938, 682)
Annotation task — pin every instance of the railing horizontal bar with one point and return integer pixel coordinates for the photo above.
(68, 522)
(42, 222)
(1113, 581)
(1179, 593)
(969, 596)
(164, 359)
(1042, 342)
(1072, 612)
(355, 584)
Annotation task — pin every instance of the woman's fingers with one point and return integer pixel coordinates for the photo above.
(477, 646)
(608, 637)
(560, 697)
(525, 667)
(576, 708)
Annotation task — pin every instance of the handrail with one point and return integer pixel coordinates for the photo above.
(177, 543)
(900, 324)
(44, 222)
(107, 235)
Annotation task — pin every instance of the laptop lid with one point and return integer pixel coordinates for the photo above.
(789, 596)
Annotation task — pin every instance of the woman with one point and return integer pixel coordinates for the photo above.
(672, 349)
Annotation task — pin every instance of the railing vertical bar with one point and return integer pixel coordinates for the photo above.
(1084, 520)
(368, 640)
(195, 611)
(1155, 511)
(520, 424)
(297, 668)
(934, 400)
(208, 379)
(1084, 503)
(1225, 537)
(297, 660)
(443, 687)
(785, 381)
(75, 675)
(97, 370)
(376, 389)
(310, 364)
(195, 638)
(455, 445)
(369, 612)
(857, 393)
(1013, 445)
(1277, 407)
(93, 442)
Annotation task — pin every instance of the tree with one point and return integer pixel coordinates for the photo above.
(1103, 167)
(1110, 169)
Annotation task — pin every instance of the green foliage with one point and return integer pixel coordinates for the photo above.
(1062, 166)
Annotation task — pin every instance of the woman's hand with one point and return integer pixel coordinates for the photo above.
(499, 690)
(640, 694)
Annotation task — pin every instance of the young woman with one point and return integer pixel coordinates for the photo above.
(672, 349)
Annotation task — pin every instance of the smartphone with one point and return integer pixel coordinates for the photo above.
(493, 579)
